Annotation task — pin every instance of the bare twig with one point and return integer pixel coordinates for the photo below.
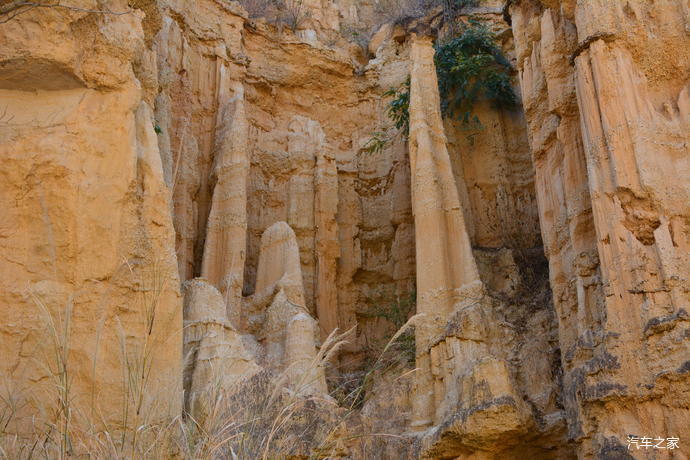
(14, 8)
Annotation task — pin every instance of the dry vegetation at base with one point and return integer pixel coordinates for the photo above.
(259, 418)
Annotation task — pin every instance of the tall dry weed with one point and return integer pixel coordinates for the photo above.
(263, 417)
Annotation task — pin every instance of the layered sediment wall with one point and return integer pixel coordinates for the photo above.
(191, 201)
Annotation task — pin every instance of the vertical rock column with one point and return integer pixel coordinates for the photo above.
(605, 89)
(636, 135)
(305, 138)
(327, 244)
(634, 156)
(226, 237)
(216, 360)
(446, 271)
(285, 328)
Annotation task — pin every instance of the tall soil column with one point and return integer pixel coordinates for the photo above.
(605, 90)
(326, 243)
(226, 240)
(446, 270)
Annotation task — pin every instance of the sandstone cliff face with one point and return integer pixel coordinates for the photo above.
(186, 149)
(607, 109)
(308, 115)
(88, 262)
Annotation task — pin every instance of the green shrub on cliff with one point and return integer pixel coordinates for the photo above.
(470, 67)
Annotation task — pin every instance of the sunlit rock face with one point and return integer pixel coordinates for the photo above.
(216, 359)
(194, 184)
(605, 91)
(88, 261)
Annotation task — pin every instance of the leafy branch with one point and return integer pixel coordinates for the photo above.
(470, 67)
(399, 108)
(399, 111)
(378, 141)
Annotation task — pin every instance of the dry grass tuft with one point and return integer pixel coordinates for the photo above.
(260, 418)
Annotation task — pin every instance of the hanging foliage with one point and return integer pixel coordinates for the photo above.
(399, 107)
(471, 67)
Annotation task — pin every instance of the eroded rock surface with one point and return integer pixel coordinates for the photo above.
(186, 148)
(605, 104)
(87, 250)
(216, 359)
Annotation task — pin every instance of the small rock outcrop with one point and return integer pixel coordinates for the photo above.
(278, 314)
(216, 359)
